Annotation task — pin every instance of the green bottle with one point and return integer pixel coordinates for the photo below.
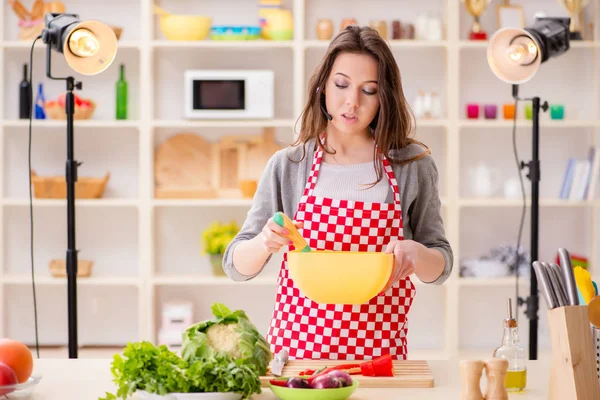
(121, 112)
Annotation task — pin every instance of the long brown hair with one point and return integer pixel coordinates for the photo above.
(394, 122)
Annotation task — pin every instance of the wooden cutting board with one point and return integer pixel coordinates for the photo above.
(407, 374)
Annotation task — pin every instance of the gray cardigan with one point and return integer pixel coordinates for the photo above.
(282, 183)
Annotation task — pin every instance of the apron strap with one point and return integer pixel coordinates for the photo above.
(316, 165)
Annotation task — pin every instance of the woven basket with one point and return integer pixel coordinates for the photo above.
(55, 187)
(58, 268)
(58, 112)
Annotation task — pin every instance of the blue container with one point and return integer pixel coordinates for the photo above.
(226, 32)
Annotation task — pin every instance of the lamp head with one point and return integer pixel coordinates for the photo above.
(89, 47)
(515, 55)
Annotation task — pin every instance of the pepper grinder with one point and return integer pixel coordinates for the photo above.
(496, 372)
(470, 372)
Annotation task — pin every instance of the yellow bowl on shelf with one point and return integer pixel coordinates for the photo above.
(185, 27)
(340, 277)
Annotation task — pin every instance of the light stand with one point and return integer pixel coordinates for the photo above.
(89, 48)
(534, 175)
(514, 56)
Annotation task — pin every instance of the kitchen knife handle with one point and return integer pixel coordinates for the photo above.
(562, 291)
(544, 284)
(569, 276)
(554, 285)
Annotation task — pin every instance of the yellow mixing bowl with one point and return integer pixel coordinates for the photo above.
(185, 27)
(340, 277)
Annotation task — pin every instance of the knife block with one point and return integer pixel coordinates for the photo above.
(573, 371)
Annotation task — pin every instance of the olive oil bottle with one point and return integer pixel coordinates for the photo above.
(511, 350)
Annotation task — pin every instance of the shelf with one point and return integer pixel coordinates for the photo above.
(223, 44)
(482, 123)
(88, 123)
(202, 202)
(261, 123)
(394, 44)
(186, 280)
(78, 202)
(9, 279)
(500, 202)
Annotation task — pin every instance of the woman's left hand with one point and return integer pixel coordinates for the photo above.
(405, 260)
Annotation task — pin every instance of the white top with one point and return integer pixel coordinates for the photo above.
(86, 379)
(352, 182)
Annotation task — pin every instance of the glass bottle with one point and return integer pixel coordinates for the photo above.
(121, 111)
(511, 350)
(24, 96)
(40, 103)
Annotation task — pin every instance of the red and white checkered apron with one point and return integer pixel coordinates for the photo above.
(308, 330)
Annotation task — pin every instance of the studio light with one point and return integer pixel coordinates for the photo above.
(515, 56)
(89, 48)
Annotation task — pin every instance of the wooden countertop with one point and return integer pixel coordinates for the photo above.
(89, 379)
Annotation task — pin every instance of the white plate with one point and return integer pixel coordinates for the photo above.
(189, 396)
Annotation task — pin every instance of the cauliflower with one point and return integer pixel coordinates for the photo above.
(230, 334)
(224, 338)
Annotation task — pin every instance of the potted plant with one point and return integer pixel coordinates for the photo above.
(215, 240)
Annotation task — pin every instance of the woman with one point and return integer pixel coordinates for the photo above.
(353, 168)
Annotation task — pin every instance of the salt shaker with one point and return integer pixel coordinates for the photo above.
(470, 372)
(496, 371)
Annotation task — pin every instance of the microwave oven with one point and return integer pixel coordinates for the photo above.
(224, 94)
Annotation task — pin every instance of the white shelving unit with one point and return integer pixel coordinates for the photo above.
(147, 251)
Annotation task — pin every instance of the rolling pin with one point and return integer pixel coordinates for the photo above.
(299, 243)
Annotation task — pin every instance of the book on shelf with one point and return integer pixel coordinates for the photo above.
(581, 177)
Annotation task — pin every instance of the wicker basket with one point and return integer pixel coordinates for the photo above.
(58, 112)
(55, 187)
(58, 268)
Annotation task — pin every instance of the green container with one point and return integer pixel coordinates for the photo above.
(528, 111)
(557, 111)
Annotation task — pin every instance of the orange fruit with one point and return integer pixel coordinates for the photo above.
(18, 357)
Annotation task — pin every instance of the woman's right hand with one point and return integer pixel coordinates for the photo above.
(273, 236)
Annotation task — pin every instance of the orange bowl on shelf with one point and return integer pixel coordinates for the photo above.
(340, 277)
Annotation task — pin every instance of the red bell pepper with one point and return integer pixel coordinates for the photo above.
(278, 382)
(306, 372)
(380, 366)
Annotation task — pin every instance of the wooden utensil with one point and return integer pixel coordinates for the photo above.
(594, 311)
(299, 243)
(182, 167)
